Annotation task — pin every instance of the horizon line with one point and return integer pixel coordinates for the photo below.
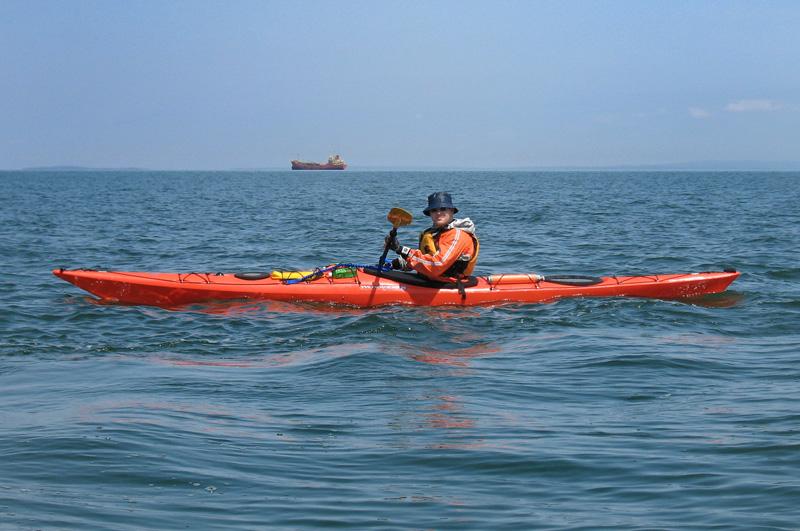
(679, 166)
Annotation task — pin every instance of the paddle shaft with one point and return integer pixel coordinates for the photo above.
(392, 234)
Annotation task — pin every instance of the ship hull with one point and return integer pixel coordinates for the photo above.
(297, 165)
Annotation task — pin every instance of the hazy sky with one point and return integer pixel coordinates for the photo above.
(200, 84)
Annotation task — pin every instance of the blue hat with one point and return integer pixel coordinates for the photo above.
(439, 200)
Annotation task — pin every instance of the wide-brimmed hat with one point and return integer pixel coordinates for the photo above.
(439, 200)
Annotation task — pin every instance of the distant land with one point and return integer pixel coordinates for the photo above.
(747, 165)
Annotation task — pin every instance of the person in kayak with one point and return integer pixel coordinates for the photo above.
(448, 249)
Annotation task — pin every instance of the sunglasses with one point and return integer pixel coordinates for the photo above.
(440, 209)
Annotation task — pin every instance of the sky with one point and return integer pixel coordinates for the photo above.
(218, 85)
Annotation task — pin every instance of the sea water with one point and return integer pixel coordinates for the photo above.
(577, 414)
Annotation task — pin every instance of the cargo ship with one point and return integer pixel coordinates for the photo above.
(334, 163)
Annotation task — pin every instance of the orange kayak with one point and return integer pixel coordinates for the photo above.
(366, 287)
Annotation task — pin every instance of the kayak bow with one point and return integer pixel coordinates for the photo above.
(367, 287)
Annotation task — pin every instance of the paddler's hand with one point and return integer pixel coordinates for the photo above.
(395, 246)
(392, 243)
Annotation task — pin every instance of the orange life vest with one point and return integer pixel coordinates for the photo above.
(463, 266)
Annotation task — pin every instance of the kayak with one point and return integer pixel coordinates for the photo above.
(364, 286)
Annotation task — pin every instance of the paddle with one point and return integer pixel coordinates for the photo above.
(398, 218)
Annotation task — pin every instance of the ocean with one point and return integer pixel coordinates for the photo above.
(576, 414)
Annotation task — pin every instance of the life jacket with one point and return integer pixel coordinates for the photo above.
(463, 266)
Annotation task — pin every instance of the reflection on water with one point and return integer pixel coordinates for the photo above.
(726, 299)
(448, 412)
(297, 356)
(454, 357)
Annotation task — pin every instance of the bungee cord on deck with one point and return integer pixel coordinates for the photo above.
(318, 272)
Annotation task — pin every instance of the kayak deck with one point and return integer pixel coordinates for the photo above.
(368, 289)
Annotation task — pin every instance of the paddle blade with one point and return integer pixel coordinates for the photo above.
(399, 217)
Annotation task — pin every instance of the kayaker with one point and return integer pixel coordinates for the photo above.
(447, 250)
